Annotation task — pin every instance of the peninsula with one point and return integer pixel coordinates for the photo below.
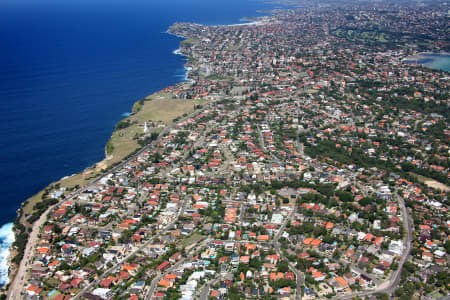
(302, 159)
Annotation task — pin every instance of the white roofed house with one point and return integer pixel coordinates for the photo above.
(384, 192)
(56, 194)
(396, 247)
(102, 293)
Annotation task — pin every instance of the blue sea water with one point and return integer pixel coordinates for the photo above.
(438, 61)
(433, 61)
(70, 70)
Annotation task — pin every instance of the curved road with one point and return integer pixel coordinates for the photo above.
(391, 284)
(17, 285)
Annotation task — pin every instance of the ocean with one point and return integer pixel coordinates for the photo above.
(70, 70)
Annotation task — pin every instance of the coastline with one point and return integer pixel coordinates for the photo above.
(186, 68)
(246, 22)
(422, 54)
(427, 59)
(7, 237)
(159, 100)
(256, 22)
(87, 176)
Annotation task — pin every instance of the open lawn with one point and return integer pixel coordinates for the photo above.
(312, 91)
(195, 237)
(159, 107)
(363, 36)
(431, 182)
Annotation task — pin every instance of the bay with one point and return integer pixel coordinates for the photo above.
(431, 60)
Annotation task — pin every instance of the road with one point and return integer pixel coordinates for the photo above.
(283, 227)
(300, 279)
(261, 139)
(119, 264)
(299, 145)
(204, 293)
(155, 281)
(242, 213)
(229, 158)
(263, 146)
(298, 275)
(17, 285)
(19, 280)
(391, 284)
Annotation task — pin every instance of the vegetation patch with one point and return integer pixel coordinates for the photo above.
(363, 36)
(109, 148)
(217, 77)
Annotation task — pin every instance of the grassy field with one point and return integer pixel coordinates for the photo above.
(431, 182)
(160, 108)
(195, 237)
(368, 37)
(218, 77)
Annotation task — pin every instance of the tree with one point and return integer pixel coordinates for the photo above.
(399, 292)
(277, 202)
(283, 266)
(382, 296)
(447, 246)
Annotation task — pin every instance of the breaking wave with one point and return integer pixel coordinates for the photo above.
(6, 239)
(177, 52)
